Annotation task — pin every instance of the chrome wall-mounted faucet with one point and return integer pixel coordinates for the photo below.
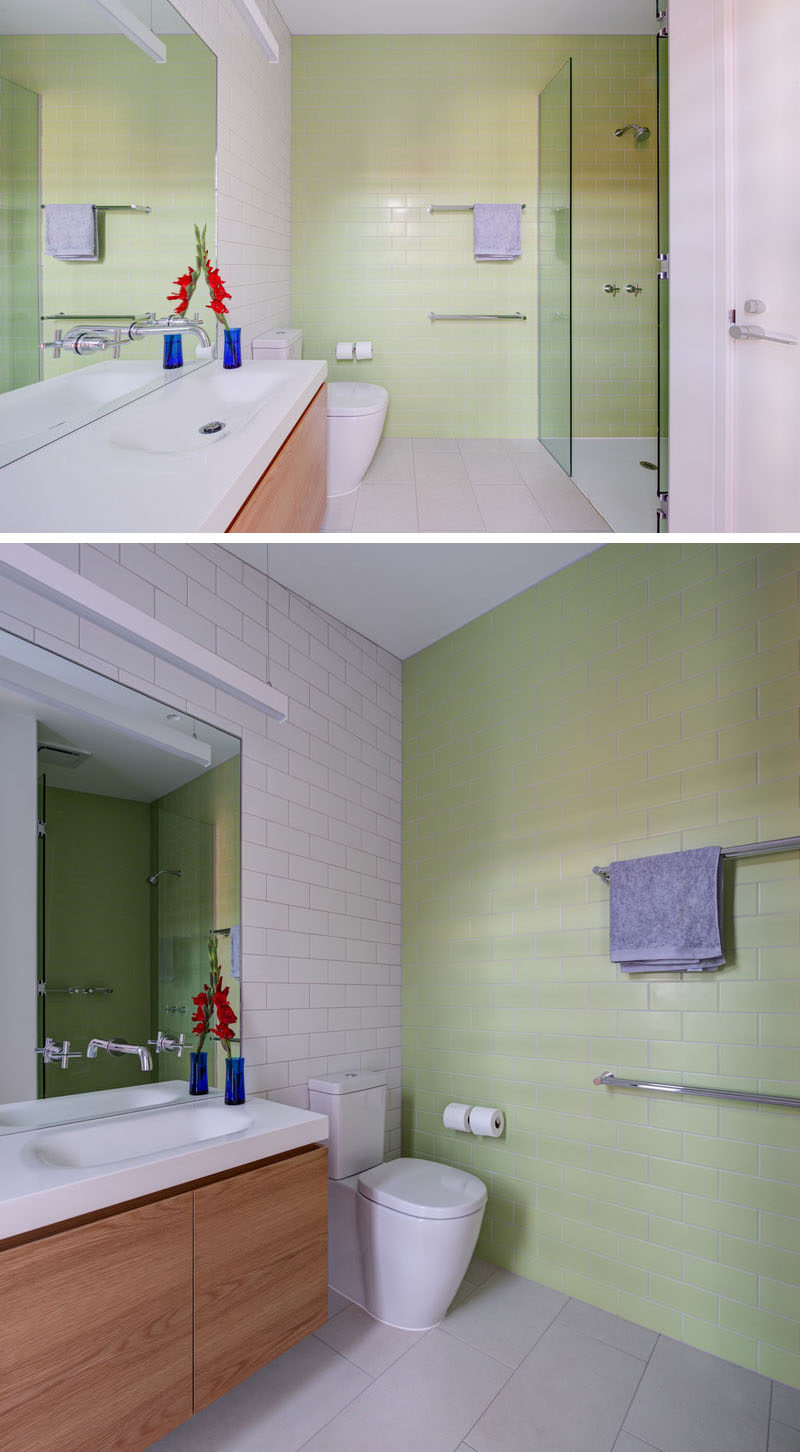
(119, 1046)
(166, 1045)
(150, 325)
(54, 1053)
(91, 337)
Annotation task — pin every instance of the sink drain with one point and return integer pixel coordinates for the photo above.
(215, 427)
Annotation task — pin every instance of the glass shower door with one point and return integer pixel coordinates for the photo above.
(19, 236)
(662, 48)
(555, 267)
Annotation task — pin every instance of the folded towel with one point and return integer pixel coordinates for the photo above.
(71, 232)
(498, 231)
(666, 912)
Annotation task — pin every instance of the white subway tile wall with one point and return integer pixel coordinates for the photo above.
(254, 147)
(320, 796)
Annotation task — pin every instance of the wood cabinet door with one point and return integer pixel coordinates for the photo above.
(261, 1268)
(96, 1333)
(292, 495)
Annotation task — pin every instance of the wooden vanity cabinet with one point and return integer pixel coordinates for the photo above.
(292, 494)
(96, 1333)
(115, 1331)
(261, 1282)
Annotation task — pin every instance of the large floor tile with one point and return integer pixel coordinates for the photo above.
(440, 468)
(561, 502)
(479, 1270)
(426, 1402)
(424, 447)
(570, 1394)
(505, 1317)
(279, 1408)
(783, 1438)
(340, 513)
(488, 462)
(510, 507)
(786, 1404)
(336, 1302)
(626, 1336)
(626, 1443)
(388, 509)
(370, 1344)
(448, 508)
(393, 463)
(690, 1401)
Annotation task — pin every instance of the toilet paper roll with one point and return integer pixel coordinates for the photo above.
(363, 351)
(345, 351)
(487, 1122)
(456, 1116)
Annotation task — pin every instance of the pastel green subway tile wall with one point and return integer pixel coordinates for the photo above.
(117, 129)
(643, 700)
(383, 126)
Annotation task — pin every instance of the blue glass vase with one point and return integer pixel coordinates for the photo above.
(198, 1073)
(234, 1081)
(173, 350)
(233, 348)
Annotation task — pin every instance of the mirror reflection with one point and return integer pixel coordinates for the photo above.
(107, 162)
(138, 841)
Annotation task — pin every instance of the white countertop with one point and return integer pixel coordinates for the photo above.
(35, 1192)
(86, 482)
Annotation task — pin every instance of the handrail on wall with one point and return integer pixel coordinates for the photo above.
(610, 1081)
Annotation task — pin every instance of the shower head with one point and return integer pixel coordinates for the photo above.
(165, 872)
(642, 132)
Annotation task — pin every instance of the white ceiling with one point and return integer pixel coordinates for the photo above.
(406, 596)
(469, 17)
(83, 17)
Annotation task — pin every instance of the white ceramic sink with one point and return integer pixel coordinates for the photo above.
(107, 1142)
(171, 423)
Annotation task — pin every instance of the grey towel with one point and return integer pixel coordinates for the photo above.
(666, 912)
(498, 231)
(70, 232)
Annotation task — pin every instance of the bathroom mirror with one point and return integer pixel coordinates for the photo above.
(135, 810)
(89, 118)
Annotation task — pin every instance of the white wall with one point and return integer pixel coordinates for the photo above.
(320, 793)
(253, 162)
(18, 904)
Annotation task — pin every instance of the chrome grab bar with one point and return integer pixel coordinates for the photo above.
(610, 1081)
(753, 332)
(478, 317)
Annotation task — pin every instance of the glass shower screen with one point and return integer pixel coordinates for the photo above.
(555, 267)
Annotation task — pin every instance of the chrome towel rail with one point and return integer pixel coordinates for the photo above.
(610, 1081)
(470, 207)
(478, 317)
(45, 992)
(127, 207)
(748, 849)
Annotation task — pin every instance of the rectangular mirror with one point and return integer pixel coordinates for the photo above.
(137, 821)
(88, 119)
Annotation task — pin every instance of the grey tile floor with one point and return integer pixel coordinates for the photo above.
(514, 1367)
(464, 486)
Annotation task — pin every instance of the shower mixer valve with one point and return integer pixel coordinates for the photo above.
(611, 287)
(166, 1045)
(634, 288)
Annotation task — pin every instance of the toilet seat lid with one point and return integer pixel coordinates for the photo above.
(352, 400)
(424, 1189)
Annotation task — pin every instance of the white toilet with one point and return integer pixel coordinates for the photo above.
(356, 414)
(401, 1234)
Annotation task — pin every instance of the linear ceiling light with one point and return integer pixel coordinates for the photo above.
(254, 19)
(135, 30)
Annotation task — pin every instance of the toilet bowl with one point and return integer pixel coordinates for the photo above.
(401, 1233)
(356, 415)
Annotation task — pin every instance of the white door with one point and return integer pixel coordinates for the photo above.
(764, 129)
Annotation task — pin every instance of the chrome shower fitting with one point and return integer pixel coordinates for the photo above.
(119, 1046)
(612, 288)
(165, 872)
(634, 288)
(642, 132)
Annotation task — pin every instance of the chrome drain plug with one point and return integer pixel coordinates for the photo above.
(215, 427)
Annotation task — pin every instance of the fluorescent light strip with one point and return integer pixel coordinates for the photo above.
(132, 26)
(28, 566)
(254, 19)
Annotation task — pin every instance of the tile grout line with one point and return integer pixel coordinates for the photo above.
(511, 1373)
(621, 1426)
